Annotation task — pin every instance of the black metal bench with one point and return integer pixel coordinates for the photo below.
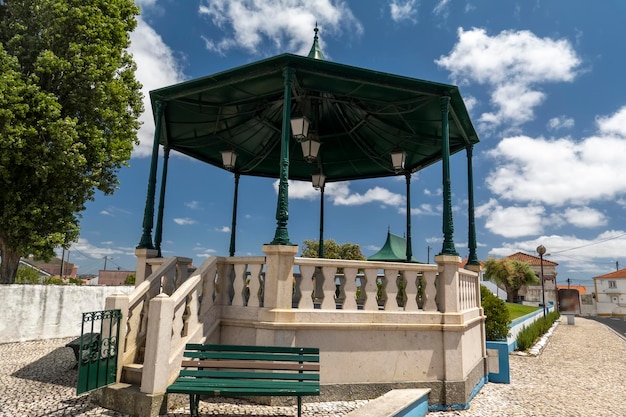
(236, 371)
(86, 340)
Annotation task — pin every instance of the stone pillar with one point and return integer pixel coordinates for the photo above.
(155, 376)
(278, 289)
(143, 270)
(448, 286)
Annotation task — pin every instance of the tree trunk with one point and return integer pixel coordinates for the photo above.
(10, 262)
(511, 295)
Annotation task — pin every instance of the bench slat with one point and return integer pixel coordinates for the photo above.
(252, 356)
(244, 348)
(216, 392)
(251, 365)
(214, 374)
(182, 386)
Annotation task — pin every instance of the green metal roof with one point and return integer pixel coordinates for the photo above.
(394, 250)
(363, 116)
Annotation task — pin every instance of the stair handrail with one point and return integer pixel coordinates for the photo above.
(185, 316)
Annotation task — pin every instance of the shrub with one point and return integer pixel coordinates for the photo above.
(498, 320)
(53, 281)
(529, 334)
(26, 275)
(130, 280)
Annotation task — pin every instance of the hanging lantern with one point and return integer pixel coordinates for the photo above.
(398, 158)
(310, 148)
(299, 127)
(228, 159)
(318, 180)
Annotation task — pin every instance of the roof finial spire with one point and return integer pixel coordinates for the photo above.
(316, 51)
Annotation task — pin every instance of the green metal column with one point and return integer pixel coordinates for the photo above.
(148, 214)
(409, 248)
(448, 224)
(281, 237)
(472, 258)
(320, 249)
(158, 230)
(233, 229)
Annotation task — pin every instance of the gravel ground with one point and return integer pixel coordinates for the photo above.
(580, 372)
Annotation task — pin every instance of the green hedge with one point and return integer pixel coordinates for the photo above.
(529, 334)
(498, 319)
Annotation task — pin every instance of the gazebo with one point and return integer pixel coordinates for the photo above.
(304, 118)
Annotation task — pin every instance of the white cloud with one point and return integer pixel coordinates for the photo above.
(403, 10)
(288, 24)
(441, 8)
(184, 221)
(194, 205)
(156, 68)
(558, 171)
(85, 248)
(300, 190)
(223, 229)
(105, 213)
(342, 197)
(340, 194)
(512, 222)
(424, 209)
(511, 64)
(585, 217)
(560, 122)
(470, 103)
(437, 192)
(613, 124)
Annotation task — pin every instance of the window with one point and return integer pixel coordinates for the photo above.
(612, 284)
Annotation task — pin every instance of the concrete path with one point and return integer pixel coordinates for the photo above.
(581, 372)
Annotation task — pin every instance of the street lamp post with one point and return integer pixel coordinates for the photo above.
(541, 250)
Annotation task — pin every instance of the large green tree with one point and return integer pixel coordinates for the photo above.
(332, 250)
(69, 107)
(510, 274)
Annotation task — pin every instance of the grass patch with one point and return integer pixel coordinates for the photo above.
(519, 310)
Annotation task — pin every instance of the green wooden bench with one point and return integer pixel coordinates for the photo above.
(236, 371)
(88, 341)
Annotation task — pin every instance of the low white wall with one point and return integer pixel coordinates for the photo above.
(33, 312)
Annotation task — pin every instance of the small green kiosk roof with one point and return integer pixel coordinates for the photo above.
(360, 116)
(394, 250)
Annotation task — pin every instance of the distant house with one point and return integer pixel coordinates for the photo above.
(610, 290)
(53, 266)
(491, 286)
(531, 294)
(113, 277)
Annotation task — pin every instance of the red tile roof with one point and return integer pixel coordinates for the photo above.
(581, 288)
(531, 260)
(615, 274)
(466, 260)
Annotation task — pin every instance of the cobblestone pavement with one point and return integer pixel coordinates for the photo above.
(581, 372)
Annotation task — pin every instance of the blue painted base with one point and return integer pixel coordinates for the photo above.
(418, 409)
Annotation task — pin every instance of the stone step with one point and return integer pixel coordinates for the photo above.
(131, 373)
(396, 403)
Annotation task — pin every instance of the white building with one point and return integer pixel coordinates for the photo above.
(610, 290)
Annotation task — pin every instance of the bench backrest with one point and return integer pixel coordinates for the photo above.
(251, 362)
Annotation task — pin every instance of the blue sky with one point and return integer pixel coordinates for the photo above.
(542, 80)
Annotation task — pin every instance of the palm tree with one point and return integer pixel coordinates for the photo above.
(510, 274)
